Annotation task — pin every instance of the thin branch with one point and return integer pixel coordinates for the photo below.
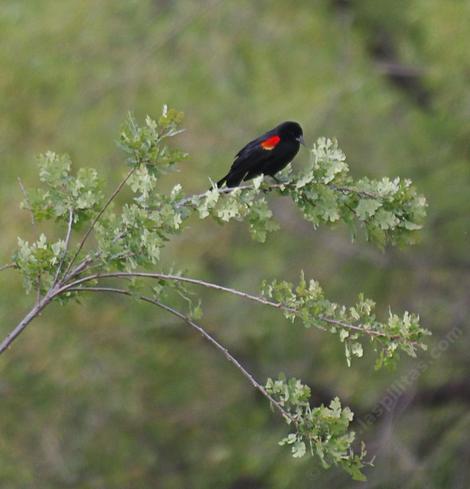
(223, 190)
(26, 199)
(66, 247)
(227, 355)
(279, 186)
(38, 288)
(179, 278)
(349, 190)
(204, 333)
(78, 269)
(7, 267)
(245, 295)
(98, 216)
(87, 261)
(35, 311)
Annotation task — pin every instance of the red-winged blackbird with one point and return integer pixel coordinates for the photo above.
(265, 155)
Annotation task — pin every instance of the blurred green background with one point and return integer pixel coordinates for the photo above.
(109, 394)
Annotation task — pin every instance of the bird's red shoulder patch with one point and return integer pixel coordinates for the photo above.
(270, 143)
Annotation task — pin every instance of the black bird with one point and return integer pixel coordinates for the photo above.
(265, 155)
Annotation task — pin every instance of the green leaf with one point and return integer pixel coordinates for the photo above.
(356, 349)
(299, 449)
(366, 208)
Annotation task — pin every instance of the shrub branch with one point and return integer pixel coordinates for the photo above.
(260, 300)
(389, 211)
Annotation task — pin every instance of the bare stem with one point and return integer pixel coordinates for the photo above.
(279, 186)
(66, 247)
(35, 311)
(26, 199)
(86, 263)
(239, 293)
(38, 289)
(97, 218)
(204, 333)
(7, 267)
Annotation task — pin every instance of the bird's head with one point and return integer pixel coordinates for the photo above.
(291, 130)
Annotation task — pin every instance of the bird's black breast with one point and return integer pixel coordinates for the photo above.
(280, 156)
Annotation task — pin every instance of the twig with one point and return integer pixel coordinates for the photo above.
(280, 186)
(26, 199)
(223, 190)
(79, 268)
(66, 247)
(163, 276)
(38, 288)
(86, 263)
(96, 219)
(204, 333)
(349, 190)
(245, 295)
(7, 267)
(35, 311)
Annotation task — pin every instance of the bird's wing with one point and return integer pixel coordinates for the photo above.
(254, 153)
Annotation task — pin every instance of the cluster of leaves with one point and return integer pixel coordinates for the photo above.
(323, 430)
(240, 204)
(144, 144)
(64, 197)
(136, 236)
(63, 192)
(307, 303)
(37, 262)
(390, 211)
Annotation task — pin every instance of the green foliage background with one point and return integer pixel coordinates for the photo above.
(109, 394)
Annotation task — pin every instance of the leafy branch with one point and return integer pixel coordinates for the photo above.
(324, 429)
(307, 303)
(96, 218)
(129, 237)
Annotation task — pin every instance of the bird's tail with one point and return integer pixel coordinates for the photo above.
(231, 180)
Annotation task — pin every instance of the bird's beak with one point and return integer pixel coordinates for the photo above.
(300, 139)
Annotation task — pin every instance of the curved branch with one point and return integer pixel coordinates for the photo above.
(239, 293)
(280, 186)
(203, 332)
(35, 311)
(7, 267)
